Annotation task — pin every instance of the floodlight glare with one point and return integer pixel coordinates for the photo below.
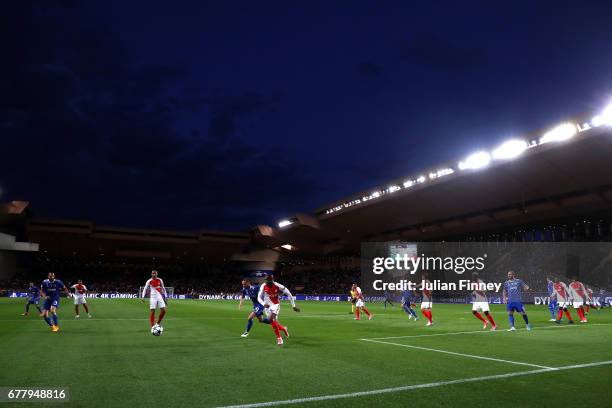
(597, 121)
(606, 116)
(284, 223)
(510, 149)
(476, 161)
(559, 134)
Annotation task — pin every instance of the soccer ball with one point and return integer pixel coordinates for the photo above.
(157, 330)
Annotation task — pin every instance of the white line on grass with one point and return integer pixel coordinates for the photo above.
(483, 331)
(413, 387)
(457, 354)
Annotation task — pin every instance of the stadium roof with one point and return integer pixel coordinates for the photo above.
(565, 172)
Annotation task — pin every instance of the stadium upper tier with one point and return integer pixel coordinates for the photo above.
(567, 171)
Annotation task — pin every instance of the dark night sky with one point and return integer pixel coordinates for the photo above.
(189, 115)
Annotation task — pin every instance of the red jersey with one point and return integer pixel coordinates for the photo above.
(426, 292)
(578, 289)
(157, 288)
(561, 292)
(271, 294)
(79, 289)
(359, 293)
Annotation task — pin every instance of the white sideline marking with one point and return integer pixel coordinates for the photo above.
(458, 354)
(413, 387)
(486, 331)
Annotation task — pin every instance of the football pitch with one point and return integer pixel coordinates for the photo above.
(330, 360)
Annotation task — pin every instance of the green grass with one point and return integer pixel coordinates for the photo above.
(112, 360)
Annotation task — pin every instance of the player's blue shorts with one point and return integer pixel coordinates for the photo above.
(33, 301)
(516, 306)
(258, 310)
(51, 302)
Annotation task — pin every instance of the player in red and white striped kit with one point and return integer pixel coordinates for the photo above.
(79, 298)
(579, 297)
(158, 297)
(269, 296)
(481, 302)
(427, 301)
(360, 303)
(590, 301)
(562, 293)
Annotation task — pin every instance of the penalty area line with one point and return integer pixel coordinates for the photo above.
(499, 360)
(484, 331)
(413, 387)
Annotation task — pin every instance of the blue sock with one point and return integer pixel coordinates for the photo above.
(38, 307)
(413, 312)
(27, 308)
(249, 325)
(525, 319)
(551, 308)
(265, 320)
(48, 321)
(55, 319)
(511, 320)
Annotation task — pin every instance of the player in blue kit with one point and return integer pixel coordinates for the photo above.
(513, 289)
(407, 297)
(388, 299)
(33, 299)
(50, 290)
(252, 291)
(553, 306)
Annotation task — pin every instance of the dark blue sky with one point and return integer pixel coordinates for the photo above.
(230, 114)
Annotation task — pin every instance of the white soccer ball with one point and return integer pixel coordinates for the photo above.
(157, 330)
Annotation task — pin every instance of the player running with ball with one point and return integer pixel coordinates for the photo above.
(158, 297)
(269, 297)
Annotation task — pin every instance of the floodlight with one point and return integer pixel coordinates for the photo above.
(559, 134)
(284, 223)
(477, 160)
(606, 116)
(510, 149)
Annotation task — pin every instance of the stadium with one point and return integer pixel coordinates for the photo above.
(305, 205)
(555, 189)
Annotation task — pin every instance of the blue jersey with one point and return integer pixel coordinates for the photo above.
(550, 288)
(407, 297)
(52, 289)
(34, 293)
(251, 292)
(514, 289)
